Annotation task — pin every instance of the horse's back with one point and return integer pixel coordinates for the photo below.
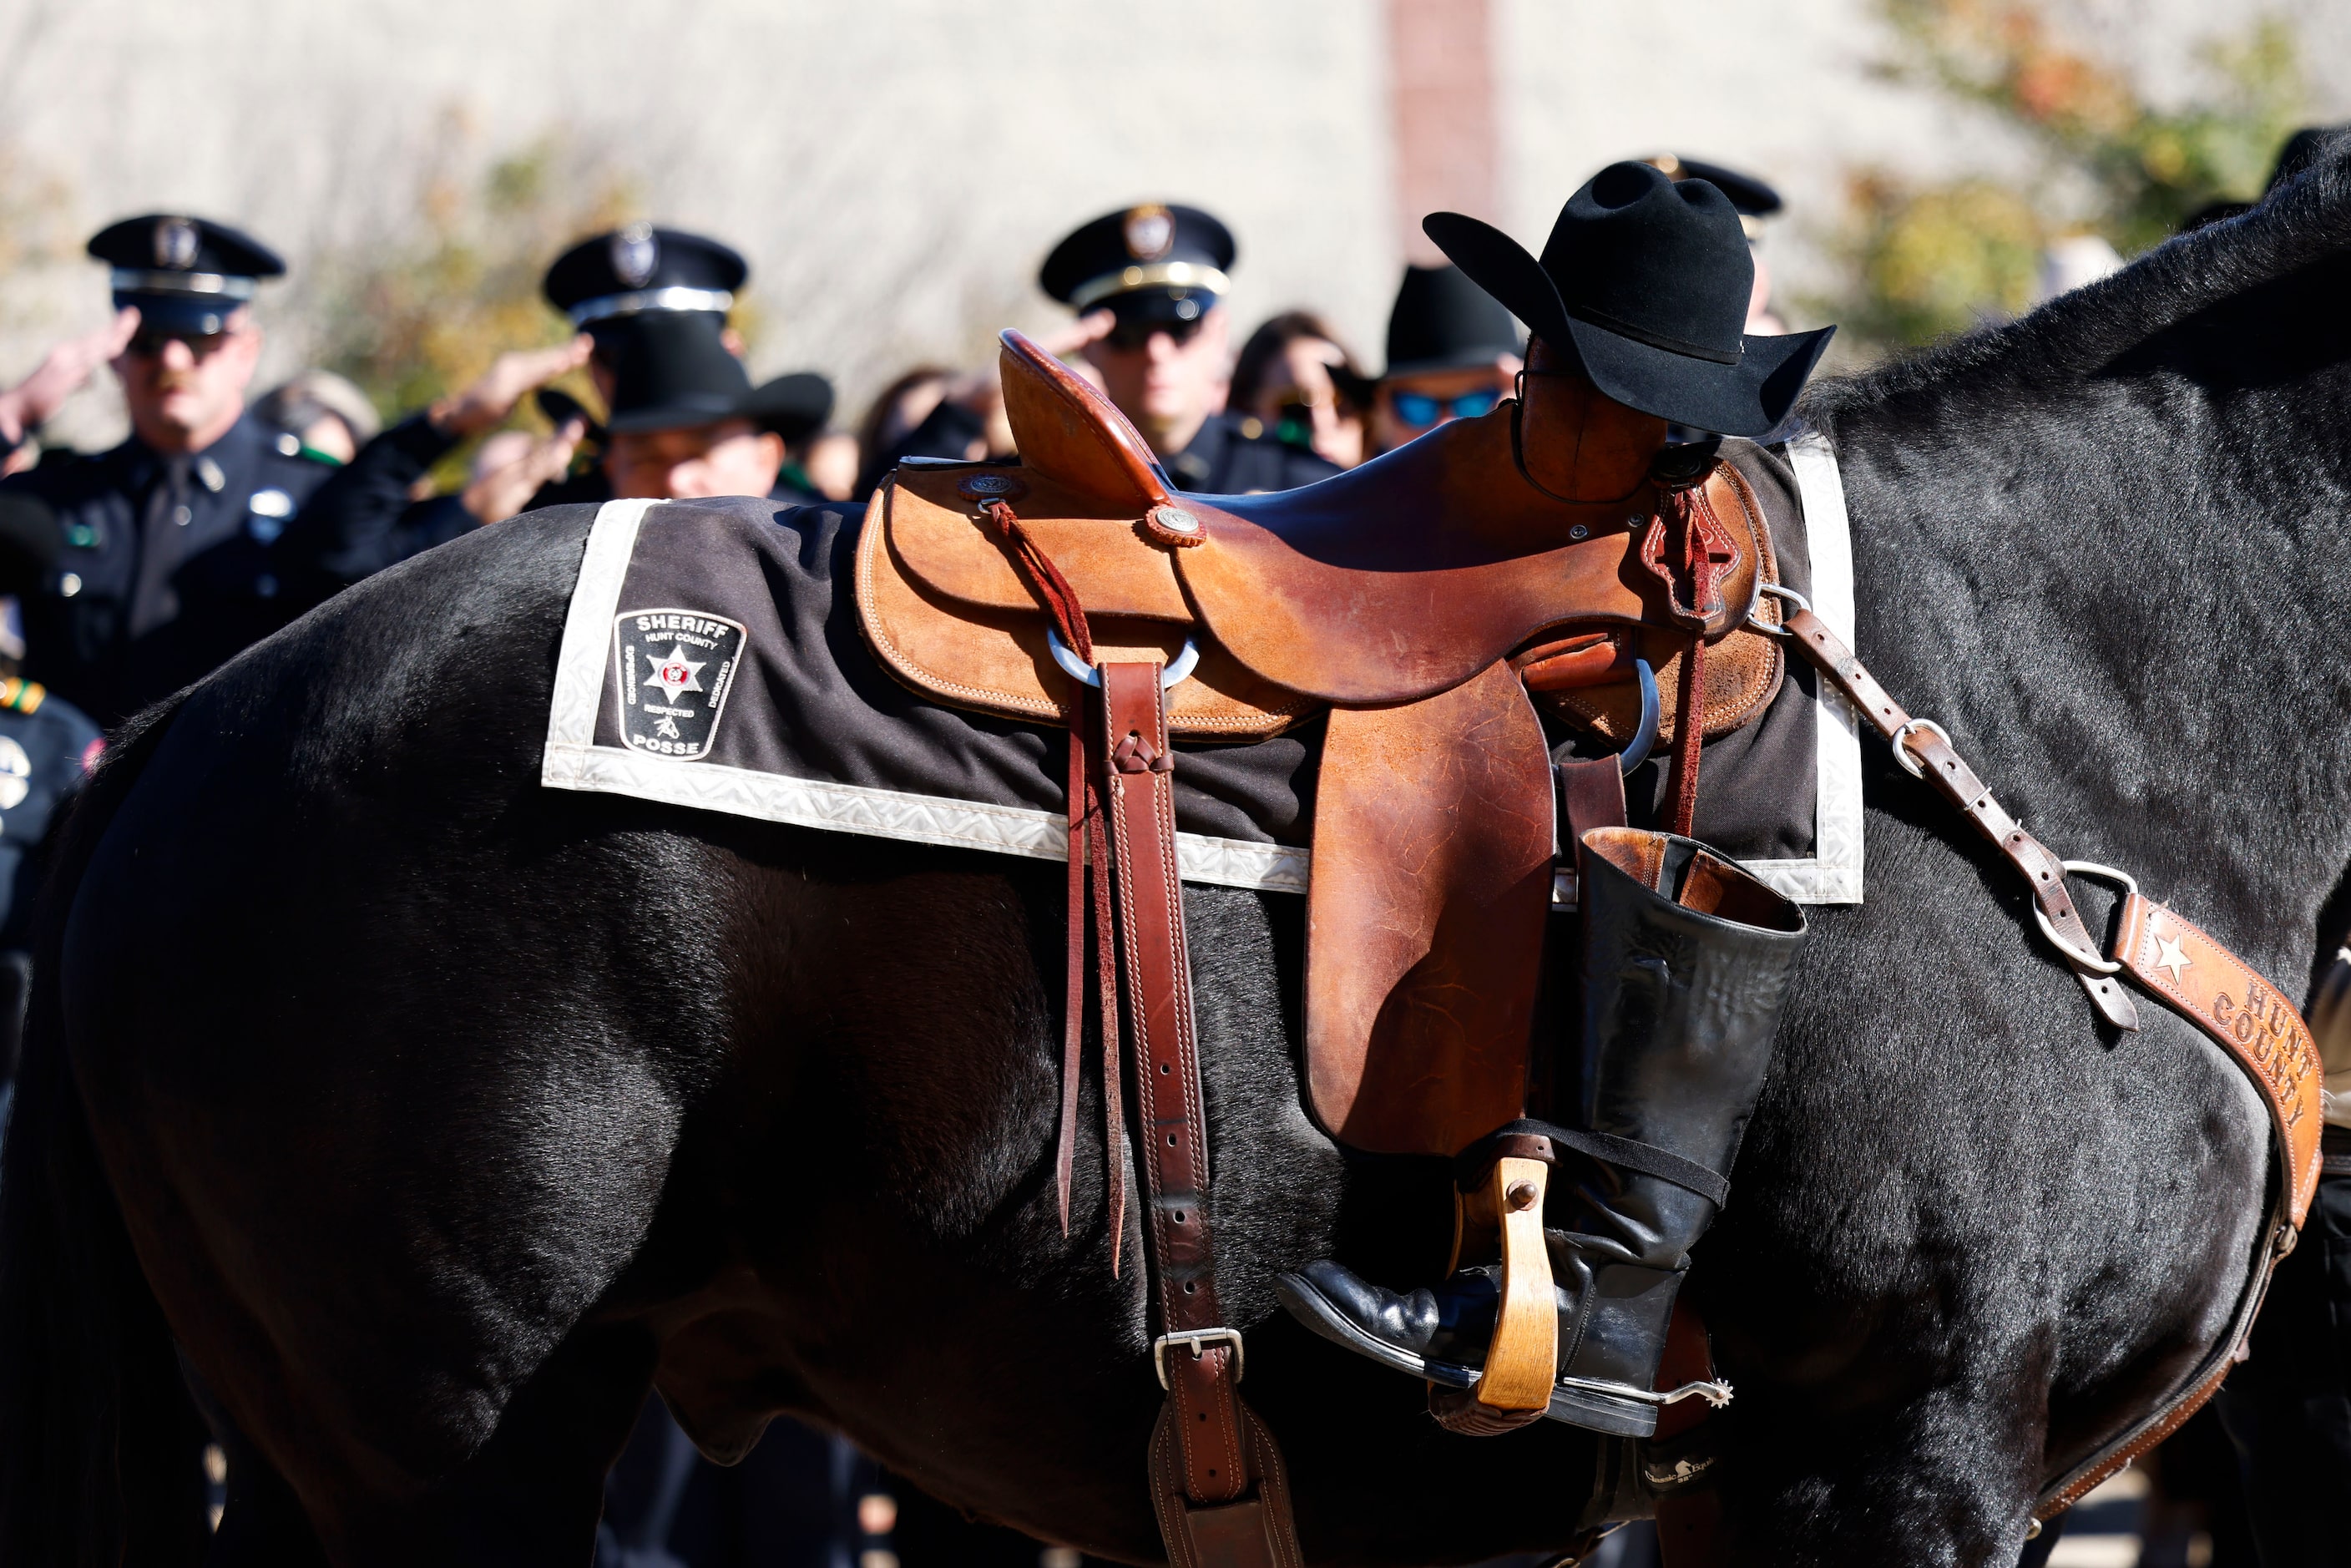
(338, 987)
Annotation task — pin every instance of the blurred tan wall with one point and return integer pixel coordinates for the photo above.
(894, 169)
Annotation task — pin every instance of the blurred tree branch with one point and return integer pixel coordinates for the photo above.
(421, 312)
(1923, 260)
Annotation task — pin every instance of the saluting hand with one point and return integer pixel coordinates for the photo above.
(1079, 335)
(67, 369)
(485, 405)
(504, 491)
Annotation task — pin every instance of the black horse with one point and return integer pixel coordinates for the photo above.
(419, 1116)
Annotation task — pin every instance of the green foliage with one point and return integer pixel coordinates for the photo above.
(423, 310)
(1924, 260)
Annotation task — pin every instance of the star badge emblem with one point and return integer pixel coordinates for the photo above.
(676, 674)
(2170, 955)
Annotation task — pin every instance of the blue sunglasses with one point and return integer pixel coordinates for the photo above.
(1420, 409)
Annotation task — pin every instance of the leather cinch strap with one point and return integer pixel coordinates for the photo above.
(2170, 960)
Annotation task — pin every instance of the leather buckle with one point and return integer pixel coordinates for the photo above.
(1200, 1340)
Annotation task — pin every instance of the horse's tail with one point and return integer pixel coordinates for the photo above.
(100, 1440)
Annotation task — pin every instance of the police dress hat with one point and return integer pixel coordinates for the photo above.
(640, 270)
(1645, 281)
(655, 300)
(184, 276)
(1153, 263)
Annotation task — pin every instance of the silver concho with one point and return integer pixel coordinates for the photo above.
(176, 244)
(1149, 231)
(991, 487)
(635, 254)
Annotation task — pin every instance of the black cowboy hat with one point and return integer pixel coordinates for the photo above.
(1645, 281)
(672, 369)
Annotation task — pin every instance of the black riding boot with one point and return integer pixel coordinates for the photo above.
(1686, 962)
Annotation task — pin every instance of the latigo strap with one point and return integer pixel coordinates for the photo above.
(2173, 962)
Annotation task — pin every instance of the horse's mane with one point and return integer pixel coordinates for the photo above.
(2083, 333)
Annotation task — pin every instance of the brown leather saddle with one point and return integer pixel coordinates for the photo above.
(1414, 601)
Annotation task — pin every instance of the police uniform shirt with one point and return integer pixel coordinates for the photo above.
(169, 566)
(46, 745)
(1224, 459)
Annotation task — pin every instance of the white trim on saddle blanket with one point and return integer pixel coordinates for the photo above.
(1832, 875)
(574, 761)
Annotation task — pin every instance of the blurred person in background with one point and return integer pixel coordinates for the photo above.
(683, 418)
(1754, 201)
(1287, 382)
(1453, 352)
(176, 549)
(898, 423)
(1148, 283)
(321, 413)
(828, 462)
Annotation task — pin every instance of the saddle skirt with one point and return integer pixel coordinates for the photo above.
(1413, 603)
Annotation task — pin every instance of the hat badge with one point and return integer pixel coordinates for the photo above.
(1150, 232)
(176, 242)
(635, 253)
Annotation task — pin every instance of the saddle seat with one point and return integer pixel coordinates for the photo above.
(1389, 601)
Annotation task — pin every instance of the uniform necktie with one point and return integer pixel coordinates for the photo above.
(162, 543)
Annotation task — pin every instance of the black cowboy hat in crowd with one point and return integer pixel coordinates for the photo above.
(1441, 321)
(1645, 281)
(674, 369)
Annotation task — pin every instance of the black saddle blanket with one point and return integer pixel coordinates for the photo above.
(712, 660)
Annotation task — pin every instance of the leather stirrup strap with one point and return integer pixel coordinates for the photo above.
(1218, 1481)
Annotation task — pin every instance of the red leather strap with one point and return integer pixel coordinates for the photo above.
(1689, 740)
(1228, 1518)
(1686, 538)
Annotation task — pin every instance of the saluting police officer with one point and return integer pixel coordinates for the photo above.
(1154, 277)
(683, 418)
(171, 558)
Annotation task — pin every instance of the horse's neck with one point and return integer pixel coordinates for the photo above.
(2146, 678)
